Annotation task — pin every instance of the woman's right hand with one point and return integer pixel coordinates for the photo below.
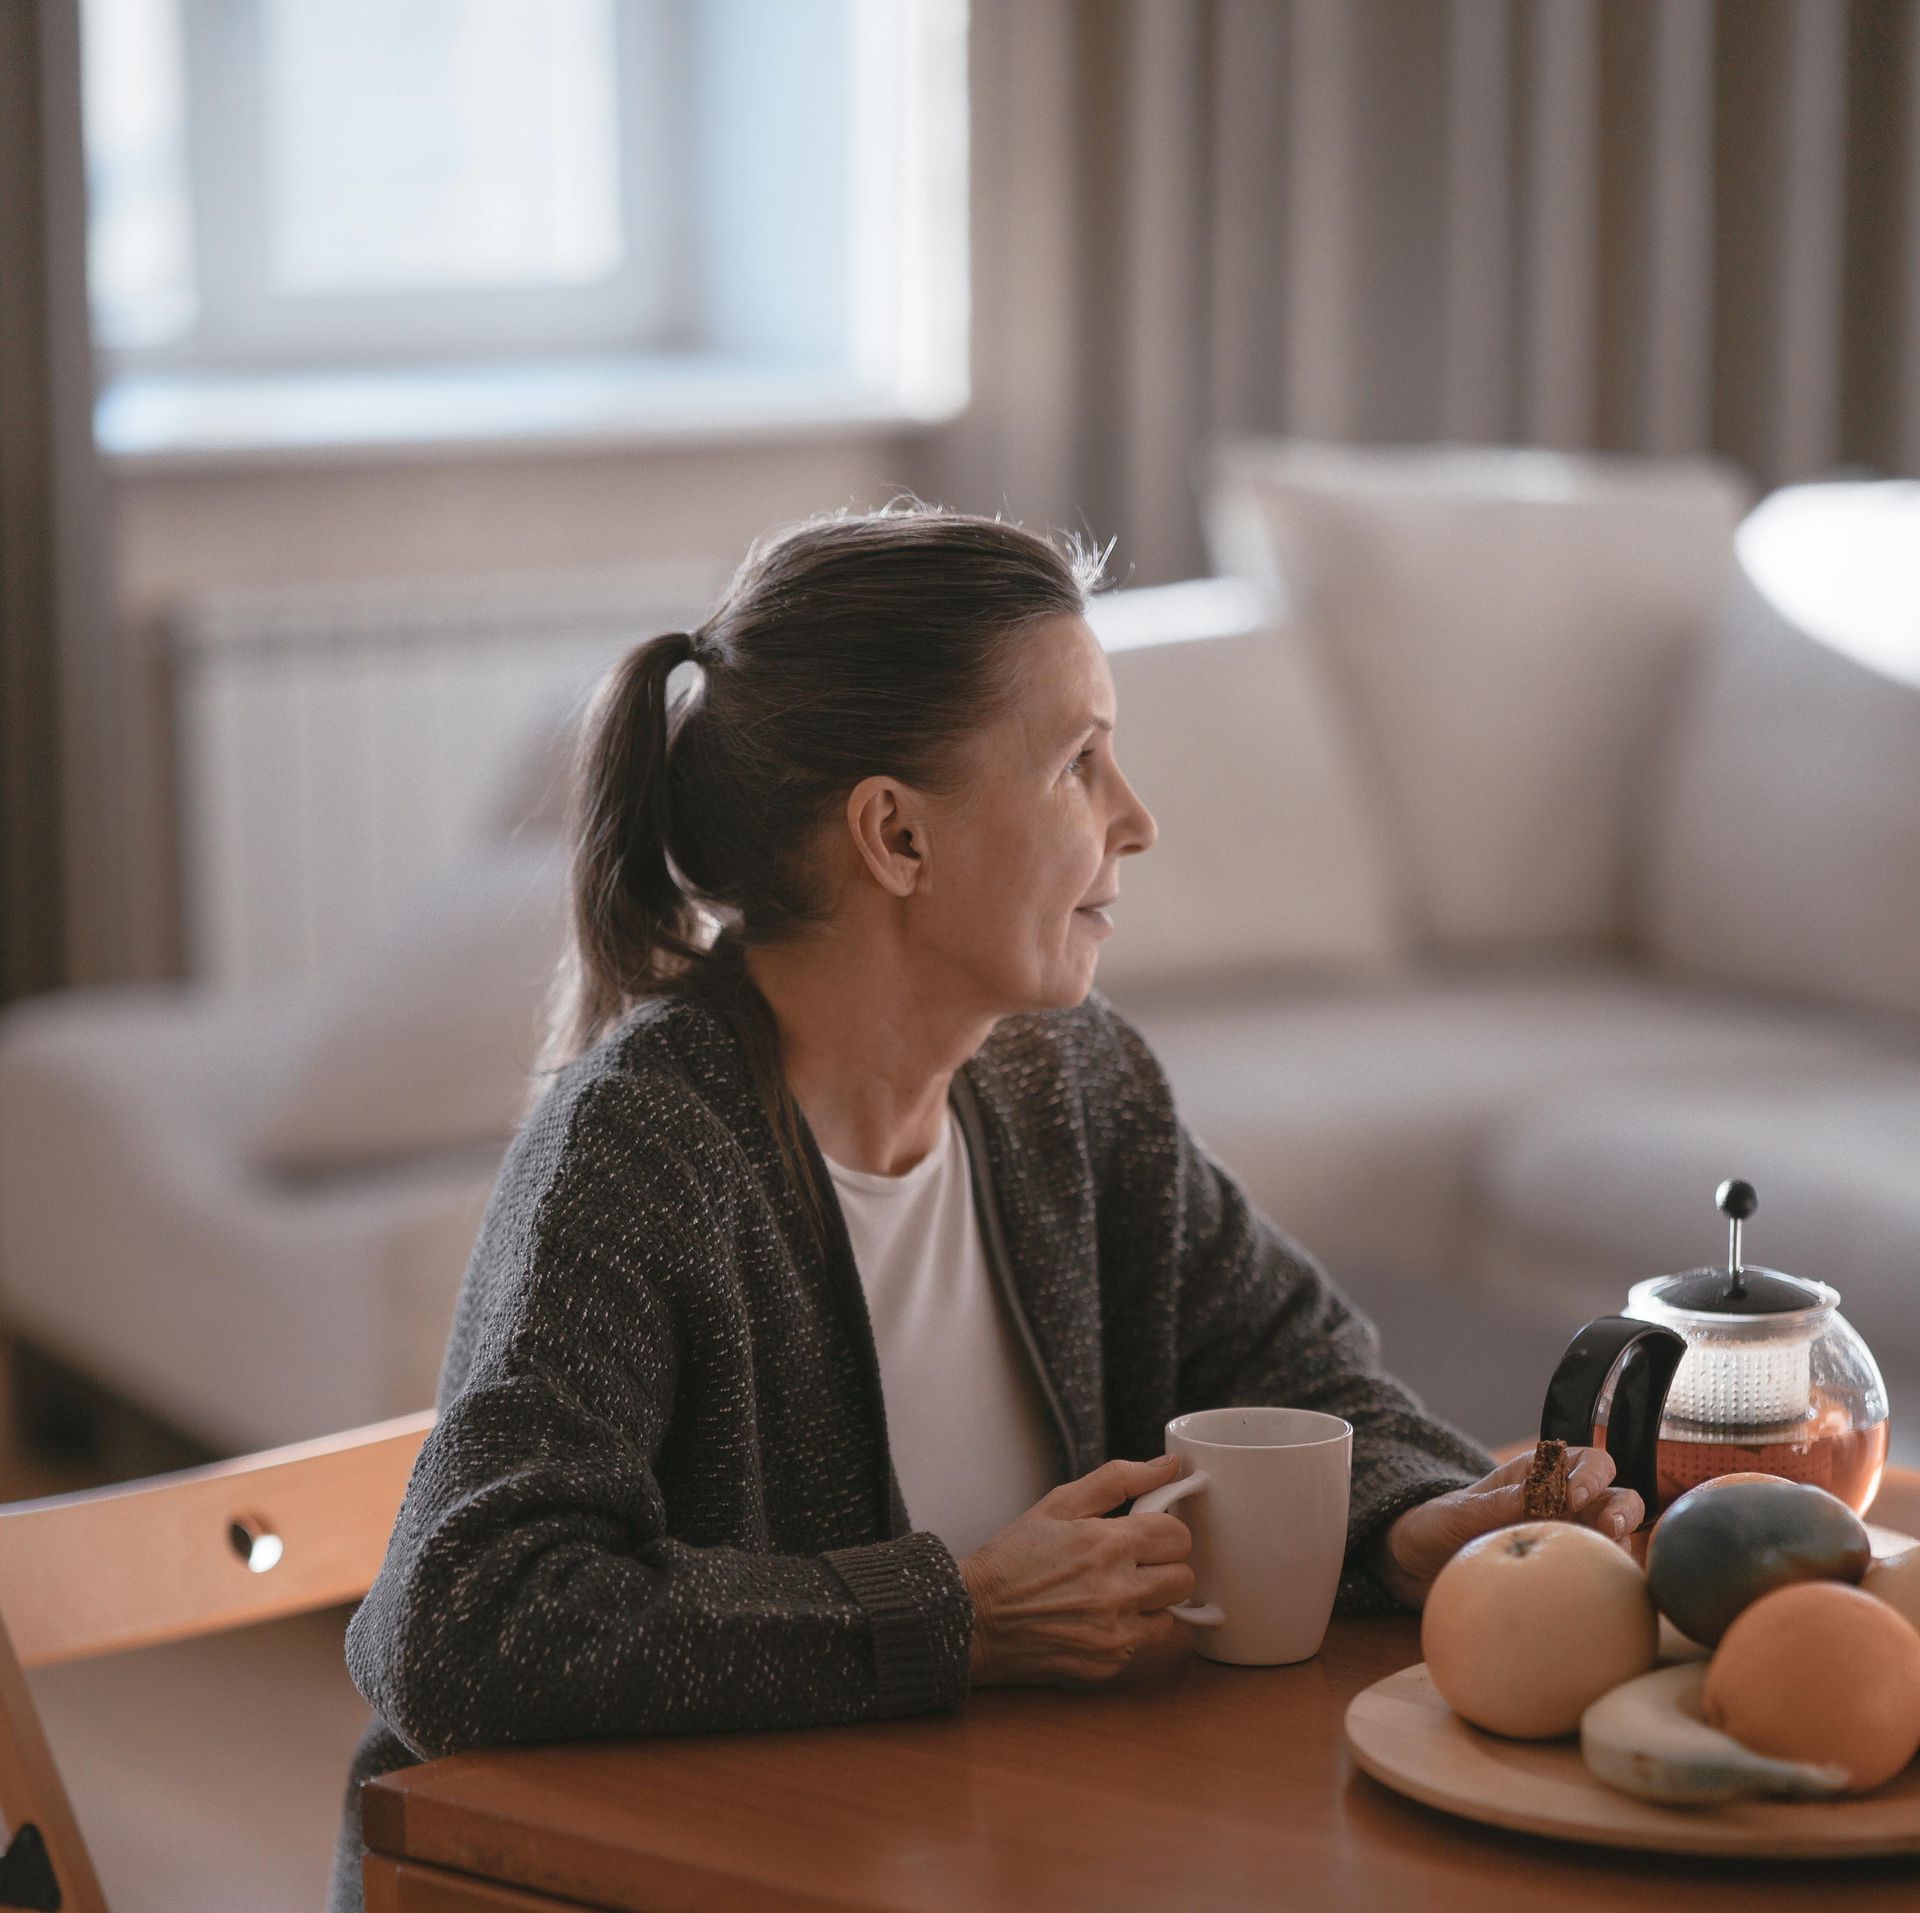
(1063, 1596)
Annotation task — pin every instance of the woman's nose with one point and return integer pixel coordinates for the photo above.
(1136, 828)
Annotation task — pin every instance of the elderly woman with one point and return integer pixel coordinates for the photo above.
(840, 1282)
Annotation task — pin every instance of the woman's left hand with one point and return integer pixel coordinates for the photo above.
(1423, 1540)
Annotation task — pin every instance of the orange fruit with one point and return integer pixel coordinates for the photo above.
(1820, 1672)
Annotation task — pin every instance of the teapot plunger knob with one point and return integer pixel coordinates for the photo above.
(1737, 1200)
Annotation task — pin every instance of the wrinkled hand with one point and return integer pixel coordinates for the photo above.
(1063, 1597)
(1423, 1540)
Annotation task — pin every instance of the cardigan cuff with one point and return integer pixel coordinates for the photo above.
(922, 1619)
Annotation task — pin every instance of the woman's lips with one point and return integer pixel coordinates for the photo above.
(1097, 915)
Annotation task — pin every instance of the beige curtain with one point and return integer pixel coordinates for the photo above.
(56, 689)
(1660, 225)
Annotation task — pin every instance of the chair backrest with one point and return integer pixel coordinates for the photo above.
(258, 1538)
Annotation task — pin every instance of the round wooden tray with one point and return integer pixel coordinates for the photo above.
(1409, 1739)
(1402, 1733)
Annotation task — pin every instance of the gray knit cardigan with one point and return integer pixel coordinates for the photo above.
(658, 1498)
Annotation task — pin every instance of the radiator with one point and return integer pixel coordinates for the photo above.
(336, 742)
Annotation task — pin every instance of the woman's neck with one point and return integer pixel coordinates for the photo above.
(869, 1048)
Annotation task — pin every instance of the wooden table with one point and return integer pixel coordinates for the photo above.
(1221, 1787)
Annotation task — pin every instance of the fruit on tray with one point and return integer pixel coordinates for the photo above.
(1527, 1625)
(1723, 1545)
(1712, 1482)
(1646, 1737)
(1820, 1672)
(1896, 1581)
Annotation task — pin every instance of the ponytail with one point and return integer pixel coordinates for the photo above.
(634, 929)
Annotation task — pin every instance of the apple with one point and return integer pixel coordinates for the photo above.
(1527, 1625)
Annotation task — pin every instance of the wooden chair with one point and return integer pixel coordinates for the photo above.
(171, 1558)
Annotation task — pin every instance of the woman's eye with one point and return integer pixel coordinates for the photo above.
(1081, 759)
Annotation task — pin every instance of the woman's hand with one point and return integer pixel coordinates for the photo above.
(1062, 1596)
(1423, 1540)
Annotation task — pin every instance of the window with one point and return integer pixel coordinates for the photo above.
(644, 194)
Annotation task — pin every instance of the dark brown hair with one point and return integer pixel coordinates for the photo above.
(845, 646)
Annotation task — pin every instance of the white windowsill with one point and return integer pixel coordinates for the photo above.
(203, 421)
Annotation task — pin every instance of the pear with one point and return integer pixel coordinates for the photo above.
(1500, 1615)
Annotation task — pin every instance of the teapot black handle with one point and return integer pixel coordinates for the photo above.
(1645, 1356)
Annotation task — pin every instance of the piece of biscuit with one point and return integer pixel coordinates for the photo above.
(1544, 1498)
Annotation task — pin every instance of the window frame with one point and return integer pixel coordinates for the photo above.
(741, 358)
(239, 323)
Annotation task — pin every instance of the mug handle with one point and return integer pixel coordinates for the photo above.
(1157, 1501)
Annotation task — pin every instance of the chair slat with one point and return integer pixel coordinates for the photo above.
(156, 1560)
(33, 1794)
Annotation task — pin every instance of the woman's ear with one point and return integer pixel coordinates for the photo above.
(888, 833)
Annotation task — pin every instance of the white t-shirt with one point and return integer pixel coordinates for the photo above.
(965, 1418)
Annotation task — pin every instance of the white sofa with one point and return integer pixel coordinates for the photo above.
(1534, 853)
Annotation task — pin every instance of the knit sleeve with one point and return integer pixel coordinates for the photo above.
(531, 1591)
(1259, 1321)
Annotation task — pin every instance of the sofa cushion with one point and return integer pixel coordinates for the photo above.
(1611, 1178)
(1787, 848)
(1268, 858)
(423, 1035)
(1357, 1118)
(138, 1244)
(1505, 624)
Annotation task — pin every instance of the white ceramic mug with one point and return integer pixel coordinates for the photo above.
(1265, 1494)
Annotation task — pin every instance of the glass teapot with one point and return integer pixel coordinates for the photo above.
(1725, 1371)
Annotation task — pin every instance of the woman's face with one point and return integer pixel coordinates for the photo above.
(1002, 908)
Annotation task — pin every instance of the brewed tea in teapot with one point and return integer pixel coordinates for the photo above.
(1725, 1371)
